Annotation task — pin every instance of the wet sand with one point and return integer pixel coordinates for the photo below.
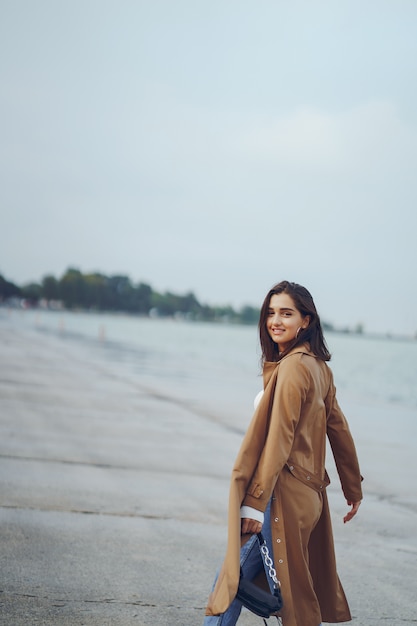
(113, 501)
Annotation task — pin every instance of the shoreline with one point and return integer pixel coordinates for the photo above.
(183, 319)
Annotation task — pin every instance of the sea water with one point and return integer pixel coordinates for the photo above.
(214, 371)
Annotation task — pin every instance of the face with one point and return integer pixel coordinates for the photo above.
(284, 320)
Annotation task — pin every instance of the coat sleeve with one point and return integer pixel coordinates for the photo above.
(343, 448)
(291, 389)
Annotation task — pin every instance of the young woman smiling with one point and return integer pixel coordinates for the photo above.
(284, 321)
(279, 478)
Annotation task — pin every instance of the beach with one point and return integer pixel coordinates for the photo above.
(114, 492)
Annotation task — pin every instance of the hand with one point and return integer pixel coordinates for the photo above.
(353, 511)
(250, 526)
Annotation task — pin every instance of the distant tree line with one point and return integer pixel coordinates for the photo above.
(97, 292)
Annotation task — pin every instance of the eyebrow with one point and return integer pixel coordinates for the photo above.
(284, 308)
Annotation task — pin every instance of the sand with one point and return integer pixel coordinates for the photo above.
(113, 501)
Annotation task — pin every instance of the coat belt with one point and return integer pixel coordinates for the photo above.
(308, 478)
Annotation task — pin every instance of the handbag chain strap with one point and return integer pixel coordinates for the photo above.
(268, 561)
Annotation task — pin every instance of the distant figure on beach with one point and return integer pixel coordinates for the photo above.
(279, 478)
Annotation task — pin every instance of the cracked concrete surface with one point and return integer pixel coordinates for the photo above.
(113, 501)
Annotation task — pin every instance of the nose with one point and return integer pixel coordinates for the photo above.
(276, 319)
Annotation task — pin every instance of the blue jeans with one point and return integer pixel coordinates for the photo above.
(251, 564)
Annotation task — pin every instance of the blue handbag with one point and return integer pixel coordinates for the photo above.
(257, 600)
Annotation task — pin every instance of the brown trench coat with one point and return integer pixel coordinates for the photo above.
(282, 456)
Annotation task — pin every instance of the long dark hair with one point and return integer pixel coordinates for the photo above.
(313, 334)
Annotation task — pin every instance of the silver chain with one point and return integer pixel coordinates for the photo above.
(269, 564)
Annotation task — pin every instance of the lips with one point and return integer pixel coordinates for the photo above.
(277, 332)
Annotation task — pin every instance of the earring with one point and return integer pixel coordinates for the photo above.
(299, 329)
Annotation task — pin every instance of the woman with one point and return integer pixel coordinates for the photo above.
(279, 479)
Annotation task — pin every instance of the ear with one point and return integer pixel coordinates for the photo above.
(306, 322)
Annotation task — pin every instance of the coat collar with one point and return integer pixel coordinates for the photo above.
(269, 367)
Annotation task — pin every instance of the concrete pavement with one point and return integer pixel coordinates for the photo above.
(113, 501)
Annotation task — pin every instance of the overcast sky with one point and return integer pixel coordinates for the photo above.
(215, 146)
